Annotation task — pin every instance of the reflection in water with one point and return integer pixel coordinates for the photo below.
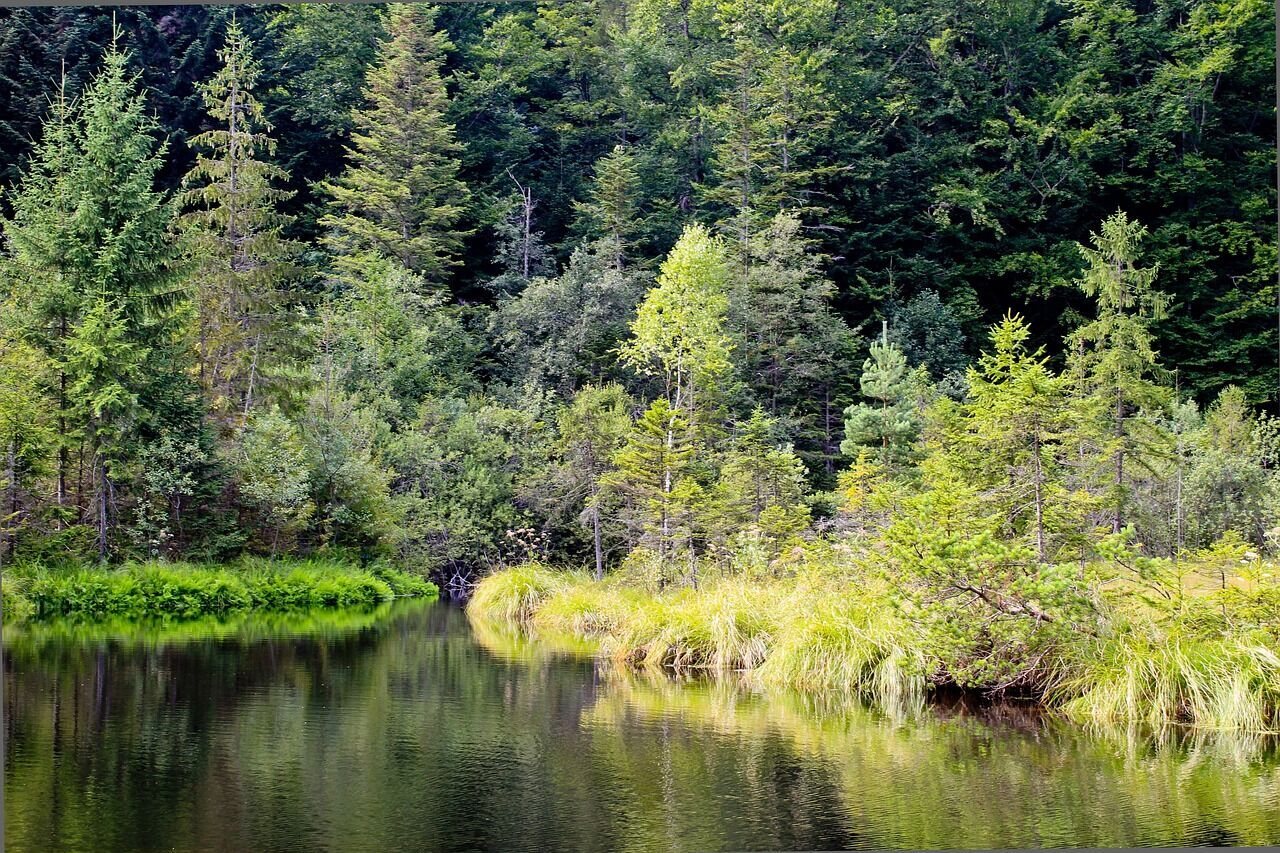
(405, 730)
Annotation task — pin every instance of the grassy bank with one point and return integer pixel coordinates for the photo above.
(187, 591)
(1216, 664)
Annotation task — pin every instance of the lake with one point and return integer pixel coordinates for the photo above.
(406, 728)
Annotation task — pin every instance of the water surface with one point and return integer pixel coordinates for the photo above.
(406, 729)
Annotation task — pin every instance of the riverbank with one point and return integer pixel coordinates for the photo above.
(191, 590)
(1214, 662)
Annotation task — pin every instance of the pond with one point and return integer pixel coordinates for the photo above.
(407, 729)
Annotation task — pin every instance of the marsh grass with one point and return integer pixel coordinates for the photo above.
(188, 591)
(1168, 678)
(1212, 663)
(515, 594)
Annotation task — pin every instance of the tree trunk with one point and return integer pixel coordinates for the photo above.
(599, 546)
(103, 524)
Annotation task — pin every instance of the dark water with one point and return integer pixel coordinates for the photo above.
(405, 729)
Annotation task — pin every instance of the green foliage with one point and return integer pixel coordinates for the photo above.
(237, 235)
(182, 591)
(400, 195)
(679, 332)
(891, 422)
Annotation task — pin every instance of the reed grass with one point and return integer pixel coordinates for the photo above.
(1162, 678)
(831, 632)
(515, 594)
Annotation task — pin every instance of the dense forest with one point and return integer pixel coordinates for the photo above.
(663, 287)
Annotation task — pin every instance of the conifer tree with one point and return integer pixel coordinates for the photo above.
(243, 257)
(103, 366)
(891, 422)
(1017, 417)
(1113, 362)
(761, 483)
(45, 286)
(653, 473)
(612, 212)
(792, 350)
(592, 429)
(401, 196)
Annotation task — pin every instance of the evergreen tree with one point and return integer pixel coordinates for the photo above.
(891, 422)
(653, 474)
(761, 484)
(592, 428)
(244, 259)
(1017, 417)
(102, 366)
(46, 287)
(612, 211)
(792, 350)
(1113, 363)
(401, 196)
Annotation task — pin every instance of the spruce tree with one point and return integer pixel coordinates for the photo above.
(401, 196)
(793, 351)
(891, 422)
(238, 233)
(612, 211)
(1114, 366)
(45, 286)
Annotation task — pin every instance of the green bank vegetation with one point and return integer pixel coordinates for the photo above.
(189, 591)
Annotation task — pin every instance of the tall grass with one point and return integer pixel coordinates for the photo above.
(847, 643)
(1163, 678)
(185, 591)
(515, 594)
(1212, 664)
(773, 631)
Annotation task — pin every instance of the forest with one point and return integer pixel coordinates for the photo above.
(858, 343)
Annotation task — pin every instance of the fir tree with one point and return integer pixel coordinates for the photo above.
(401, 196)
(891, 422)
(243, 258)
(1113, 362)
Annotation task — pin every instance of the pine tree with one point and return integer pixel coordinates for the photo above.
(761, 484)
(1113, 362)
(891, 422)
(652, 472)
(401, 196)
(244, 259)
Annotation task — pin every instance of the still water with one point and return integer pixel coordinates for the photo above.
(407, 729)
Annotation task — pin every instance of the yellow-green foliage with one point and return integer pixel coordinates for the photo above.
(847, 641)
(515, 594)
(1210, 660)
(586, 609)
(1163, 677)
(723, 625)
